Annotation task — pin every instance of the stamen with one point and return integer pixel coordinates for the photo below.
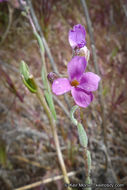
(74, 83)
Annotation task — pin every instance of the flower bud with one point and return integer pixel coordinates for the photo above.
(52, 76)
(83, 52)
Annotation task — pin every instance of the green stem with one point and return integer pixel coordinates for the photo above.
(50, 104)
(87, 160)
(84, 142)
(54, 131)
(47, 92)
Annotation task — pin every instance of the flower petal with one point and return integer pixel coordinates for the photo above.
(61, 86)
(89, 82)
(81, 97)
(76, 68)
(77, 36)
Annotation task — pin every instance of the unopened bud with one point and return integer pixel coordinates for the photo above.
(82, 52)
(52, 76)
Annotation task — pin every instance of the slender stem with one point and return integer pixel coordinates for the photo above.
(84, 143)
(48, 112)
(87, 169)
(54, 131)
(86, 161)
(47, 49)
(34, 23)
(87, 177)
(38, 28)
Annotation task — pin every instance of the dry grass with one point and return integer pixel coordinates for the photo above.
(24, 127)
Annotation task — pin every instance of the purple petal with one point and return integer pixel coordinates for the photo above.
(89, 82)
(81, 98)
(61, 86)
(76, 68)
(77, 36)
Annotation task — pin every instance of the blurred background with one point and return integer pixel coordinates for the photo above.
(27, 150)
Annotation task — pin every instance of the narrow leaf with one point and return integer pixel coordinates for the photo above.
(75, 122)
(82, 135)
(40, 42)
(24, 70)
(50, 103)
(30, 85)
(48, 94)
(28, 79)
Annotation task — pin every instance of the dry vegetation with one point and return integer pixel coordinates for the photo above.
(27, 151)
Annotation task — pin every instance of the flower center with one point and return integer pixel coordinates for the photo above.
(74, 83)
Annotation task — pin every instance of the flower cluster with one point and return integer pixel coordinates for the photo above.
(79, 83)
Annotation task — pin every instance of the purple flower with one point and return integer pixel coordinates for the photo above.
(79, 83)
(77, 36)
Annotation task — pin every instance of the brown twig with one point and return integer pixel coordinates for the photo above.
(49, 180)
(33, 163)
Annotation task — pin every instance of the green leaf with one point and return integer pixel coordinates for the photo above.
(40, 42)
(81, 132)
(75, 122)
(24, 70)
(30, 84)
(82, 135)
(50, 103)
(28, 79)
(48, 94)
